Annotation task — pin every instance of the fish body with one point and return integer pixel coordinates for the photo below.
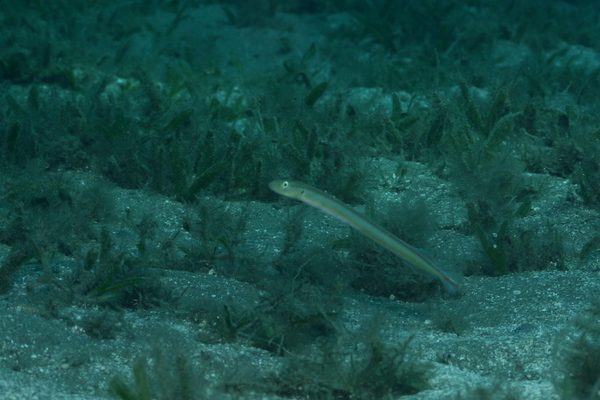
(332, 206)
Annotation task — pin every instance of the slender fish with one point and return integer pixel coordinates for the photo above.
(319, 199)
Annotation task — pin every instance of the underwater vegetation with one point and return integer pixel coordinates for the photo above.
(164, 377)
(337, 371)
(381, 371)
(581, 359)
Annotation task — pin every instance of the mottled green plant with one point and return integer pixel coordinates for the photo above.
(589, 247)
(580, 362)
(376, 371)
(291, 314)
(168, 378)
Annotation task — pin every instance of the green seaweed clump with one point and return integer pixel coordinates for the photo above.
(161, 378)
(377, 371)
(582, 360)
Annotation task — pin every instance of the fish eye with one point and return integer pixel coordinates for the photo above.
(285, 184)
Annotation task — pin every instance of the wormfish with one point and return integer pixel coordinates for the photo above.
(321, 200)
